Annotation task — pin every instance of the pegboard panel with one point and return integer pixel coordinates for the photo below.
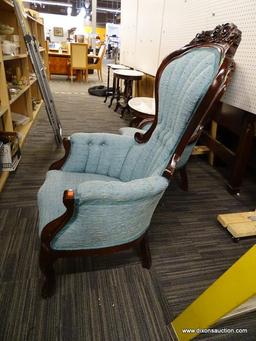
(184, 18)
(149, 25)
(128, 33)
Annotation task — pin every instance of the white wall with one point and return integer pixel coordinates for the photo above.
(149, 25)
(128, 31)
(180, 21)
(67, 22)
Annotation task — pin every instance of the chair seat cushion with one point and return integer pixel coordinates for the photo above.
(50, 195)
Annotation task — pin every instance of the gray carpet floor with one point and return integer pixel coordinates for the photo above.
(112, 297)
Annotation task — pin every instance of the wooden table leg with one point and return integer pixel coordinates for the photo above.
(214, 127)
(114, 91)
(242, 155)
(107, 91)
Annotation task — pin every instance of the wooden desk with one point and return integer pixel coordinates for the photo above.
(59, 63)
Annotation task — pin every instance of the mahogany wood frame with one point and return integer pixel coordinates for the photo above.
(226, 39)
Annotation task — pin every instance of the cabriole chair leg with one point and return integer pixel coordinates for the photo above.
(145, 253)
(184, 178)
(46, 262)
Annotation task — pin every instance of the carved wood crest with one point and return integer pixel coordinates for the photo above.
(221, 34)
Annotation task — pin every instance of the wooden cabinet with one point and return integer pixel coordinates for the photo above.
(59, 63)
(19, 91)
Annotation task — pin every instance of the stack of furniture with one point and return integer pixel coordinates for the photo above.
(19, 91)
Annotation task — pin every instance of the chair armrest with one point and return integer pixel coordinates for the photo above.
(146, 123)
(116, 191)
(98, 153)
(110, 213)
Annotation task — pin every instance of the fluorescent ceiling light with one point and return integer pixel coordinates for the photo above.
(112, 10)
(82, 12)
(51, 3)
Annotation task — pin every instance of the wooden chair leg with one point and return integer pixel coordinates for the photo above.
(145, 253)
(98, 72)
(184, 178)
(71, 74)
(46, 261)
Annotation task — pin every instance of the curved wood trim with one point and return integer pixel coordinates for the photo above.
(97, 251)
(58, 164)
(145, 122)
(53, 227)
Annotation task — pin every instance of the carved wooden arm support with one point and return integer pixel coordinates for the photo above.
(58, 164)
(52, 228)
(145, 122)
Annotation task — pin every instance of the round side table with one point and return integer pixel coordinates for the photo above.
(142, 107)
(109, 91)
(128, 76)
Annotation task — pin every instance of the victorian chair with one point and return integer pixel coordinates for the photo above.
(100, 197)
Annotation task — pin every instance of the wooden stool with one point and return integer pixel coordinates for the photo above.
(110, 91)
(142, 107)
(128, 76)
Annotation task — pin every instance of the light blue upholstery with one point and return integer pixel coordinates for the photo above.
(130, 131)
(183, 84)
(118, 182)
(55, 184)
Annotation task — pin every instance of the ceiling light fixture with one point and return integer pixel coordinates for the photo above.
(112, 10)
(69, 11)
(82, 12)
(50, 3)
(87, 4)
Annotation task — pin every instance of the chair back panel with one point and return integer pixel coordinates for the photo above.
(182, 85)
(101, 54)
(79, 56)
(102, 51)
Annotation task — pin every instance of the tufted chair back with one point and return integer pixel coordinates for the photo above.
(182, 85)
